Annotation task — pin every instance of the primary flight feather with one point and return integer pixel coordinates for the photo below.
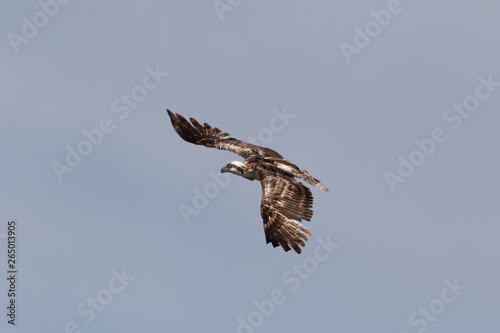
(285, 201)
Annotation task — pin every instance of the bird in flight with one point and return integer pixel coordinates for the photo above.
(285, 201)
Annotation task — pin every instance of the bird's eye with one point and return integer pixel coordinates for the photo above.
(229, 165)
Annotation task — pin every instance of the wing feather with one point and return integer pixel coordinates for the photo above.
(213, 137)
(285, 203)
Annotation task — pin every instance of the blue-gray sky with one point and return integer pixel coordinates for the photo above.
(393, 105)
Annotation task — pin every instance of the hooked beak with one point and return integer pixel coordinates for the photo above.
(224, 169)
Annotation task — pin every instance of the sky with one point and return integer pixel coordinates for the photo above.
(113, 223)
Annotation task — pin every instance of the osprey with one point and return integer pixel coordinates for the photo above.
(285, 201)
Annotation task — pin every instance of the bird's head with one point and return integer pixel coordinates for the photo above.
(235, 167)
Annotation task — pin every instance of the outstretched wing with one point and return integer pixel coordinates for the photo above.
(213, 137)
(285, 203)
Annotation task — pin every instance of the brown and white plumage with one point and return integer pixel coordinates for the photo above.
(285, 201)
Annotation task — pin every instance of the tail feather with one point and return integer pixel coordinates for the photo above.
(303, 174)
(294, 170)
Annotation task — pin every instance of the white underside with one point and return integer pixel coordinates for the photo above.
(238, 163)
(297, 223)
(285, 168)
